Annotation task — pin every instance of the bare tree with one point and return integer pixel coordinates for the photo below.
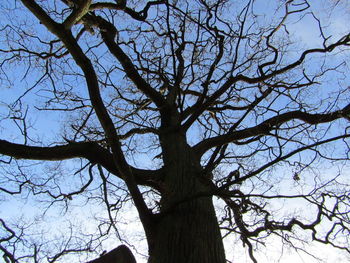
(211, 118)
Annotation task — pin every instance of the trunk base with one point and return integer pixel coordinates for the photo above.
(189, 234)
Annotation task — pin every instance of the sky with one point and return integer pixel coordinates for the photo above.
(128, 223)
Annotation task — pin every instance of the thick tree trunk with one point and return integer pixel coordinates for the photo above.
(188, 230)
(190, 234)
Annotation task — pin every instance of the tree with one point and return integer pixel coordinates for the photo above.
(210, 117)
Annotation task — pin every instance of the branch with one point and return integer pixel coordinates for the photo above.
(121, 5)
(88, 150)
(90, 76)
(109, 32)
(134, 131)
(197, 110)
(265, 127)
(107, 5)
(221, 190)
(54, 153)
(77, 14)
(79, 56)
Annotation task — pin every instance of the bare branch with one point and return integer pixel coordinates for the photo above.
(265, 127)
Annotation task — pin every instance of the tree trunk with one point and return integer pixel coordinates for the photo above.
(189, 234)
(188, 230)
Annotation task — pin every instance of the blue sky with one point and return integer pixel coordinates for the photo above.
(47, 126)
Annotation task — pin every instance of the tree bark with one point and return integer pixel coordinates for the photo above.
(189, 234)
(187, 230)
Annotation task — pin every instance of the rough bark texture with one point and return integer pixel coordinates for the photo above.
(189, 234)
(188, 230)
